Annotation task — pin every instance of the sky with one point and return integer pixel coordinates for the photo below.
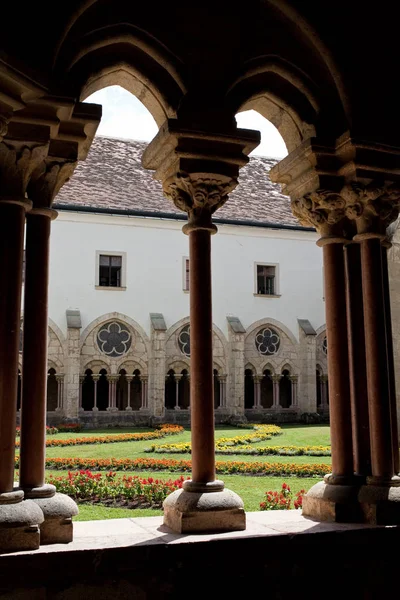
(124, 116)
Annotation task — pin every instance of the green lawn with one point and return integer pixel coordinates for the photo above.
(250, 488)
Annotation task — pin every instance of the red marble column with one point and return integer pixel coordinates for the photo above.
(379, 398)
(12, 222)
(390, 358)
(338, 363)
(34, 385)
(357, 366)
(201, 363)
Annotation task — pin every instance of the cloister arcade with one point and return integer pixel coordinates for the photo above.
(325, 75)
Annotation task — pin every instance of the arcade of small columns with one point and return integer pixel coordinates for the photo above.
(198, 170)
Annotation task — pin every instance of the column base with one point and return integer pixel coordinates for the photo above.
(19, 523)
(337, 503)
(58, 510)
(380, 502)
(112, 409)
(205, 510)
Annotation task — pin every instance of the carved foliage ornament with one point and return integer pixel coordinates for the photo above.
(368, 203)
(16, 167)
(47, 181)
(184, 340)
(199, 195)
(267, 341)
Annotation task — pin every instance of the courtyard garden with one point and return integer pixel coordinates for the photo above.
(116, 473)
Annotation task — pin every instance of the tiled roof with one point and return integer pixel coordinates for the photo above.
(112, 177)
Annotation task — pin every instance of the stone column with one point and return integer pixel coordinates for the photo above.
(357, 364)
(306, 389)
(257, 390)
(60, 391)
(377, 206)
(34, 355)
(294, 379)
(58, 509)
(95, 378)
(324, 392)
(236, 364)
(129, 381)
(275, 391)
(144, 393)
(112, 391)
(19, 518)
(222, 390)
(198, 170)
(177, 380)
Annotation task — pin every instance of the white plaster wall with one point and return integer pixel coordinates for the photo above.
(155, 249)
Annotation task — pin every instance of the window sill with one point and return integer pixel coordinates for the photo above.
(267, 295)
(112, 289)
(185, 291)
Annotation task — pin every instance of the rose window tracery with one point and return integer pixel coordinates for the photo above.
(267, 341)
(114, 339)
(325, 345)
(184, 340)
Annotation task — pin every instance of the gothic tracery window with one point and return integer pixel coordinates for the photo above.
(267, 341)
(114, 339)
(184, 340)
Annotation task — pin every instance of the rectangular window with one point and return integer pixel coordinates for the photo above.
(110, 270)
(266, 280)
(185, 274)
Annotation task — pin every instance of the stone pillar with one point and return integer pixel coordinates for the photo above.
(198, 170)
(58, 509)
(96, 378)
(129, 381)
(19, 518)
(236, 364)
(145, 405)
(306, 389)
(60, 391)
(156, 386)
(81, 380)
(275, 391)
(73, 383)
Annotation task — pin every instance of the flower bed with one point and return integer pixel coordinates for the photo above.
(282, 500)
(118, 437)
(108, 489)
(152, 464)
(49, 431)
(185, 448)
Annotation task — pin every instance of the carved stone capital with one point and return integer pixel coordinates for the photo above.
(200, 195)
(323, 209)
(373, 207)
(17, 163)
(4, 120)
(47, 180)
(276, 378)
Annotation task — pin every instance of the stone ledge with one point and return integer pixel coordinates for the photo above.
(141, 558)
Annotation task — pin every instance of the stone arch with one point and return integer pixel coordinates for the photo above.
(138, 352)
(287, 367)
(219, 343)
(51, 364)
(274, 323)
(250, 367)
(56, 345)
(94, 52)
(96, 366)
(177, 366)
(131, 365)
(268, 366)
